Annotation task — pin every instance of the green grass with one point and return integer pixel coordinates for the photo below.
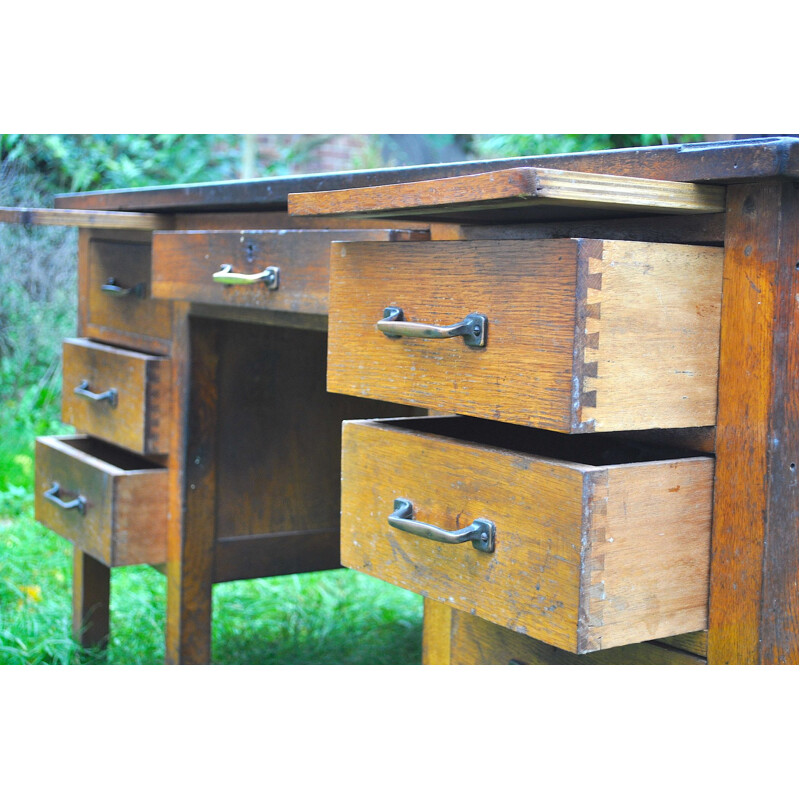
(336, 617)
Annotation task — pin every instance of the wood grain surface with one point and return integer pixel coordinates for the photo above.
(753, 601)
(582, 334)
(539, 193)
(651, 336)
(139, 420)
(587, 556)
(184, 262)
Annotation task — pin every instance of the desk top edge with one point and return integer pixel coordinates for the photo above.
(710, 162)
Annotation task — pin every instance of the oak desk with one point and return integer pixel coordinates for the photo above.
(233, 365)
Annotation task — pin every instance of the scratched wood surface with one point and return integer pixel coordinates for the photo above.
(139, 418)
(526, 193)
(184, 263)
(589, 555)
(582, 334)
(126, 499)
(753, 616)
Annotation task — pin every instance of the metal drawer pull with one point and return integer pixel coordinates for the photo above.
(109, 396)
(225, 275)
(473, 328)
(480, 533)
(52, 495)
(112, 287)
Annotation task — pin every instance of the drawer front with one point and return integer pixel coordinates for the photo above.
(274, 270)
(110, 503)
(586, 556)
(580, 335)
(117, 294)
(122, 396)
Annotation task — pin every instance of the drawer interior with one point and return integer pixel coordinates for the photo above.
(110, 454)
(598, 450)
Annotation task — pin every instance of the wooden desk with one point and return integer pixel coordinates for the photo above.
(234, 508)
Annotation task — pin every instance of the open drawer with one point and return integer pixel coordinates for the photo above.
(110, 503)
(583, 541)
(572, 335)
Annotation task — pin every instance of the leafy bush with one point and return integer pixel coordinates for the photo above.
(507, 145)
(84, 162)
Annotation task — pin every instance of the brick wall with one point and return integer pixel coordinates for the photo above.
(309, 152)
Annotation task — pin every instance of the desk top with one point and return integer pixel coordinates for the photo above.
(702, 162)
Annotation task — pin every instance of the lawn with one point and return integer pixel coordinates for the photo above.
(335, 617)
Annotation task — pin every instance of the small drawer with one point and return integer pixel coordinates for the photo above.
(571, 335)
(122, 396)
(117, 305)
(280, 270)
(585, 542)
(108, 502)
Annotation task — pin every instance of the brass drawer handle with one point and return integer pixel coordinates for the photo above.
(113, 288)
(109, 396)
(225, 275)
(472, 328)
(52, 495)
(481, 533)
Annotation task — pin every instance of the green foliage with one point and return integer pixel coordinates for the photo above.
(507, 145)
(84, 162)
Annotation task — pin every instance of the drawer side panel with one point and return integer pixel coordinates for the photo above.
(647, 567)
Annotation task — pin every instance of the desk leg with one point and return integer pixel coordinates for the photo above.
(91, 593)
(190, 538)
(753, 599)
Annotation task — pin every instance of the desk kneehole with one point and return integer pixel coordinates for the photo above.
(597, 542)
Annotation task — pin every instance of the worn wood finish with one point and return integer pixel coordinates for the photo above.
(191, 533)
(86, 219)
(525, 193)
(753, 600)
(139, 418)
(583, 335)
(476, 641)
(91, 594)
(126, 499)
(141, 323)
(720, 162)
(184, 262)
(589, 555)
